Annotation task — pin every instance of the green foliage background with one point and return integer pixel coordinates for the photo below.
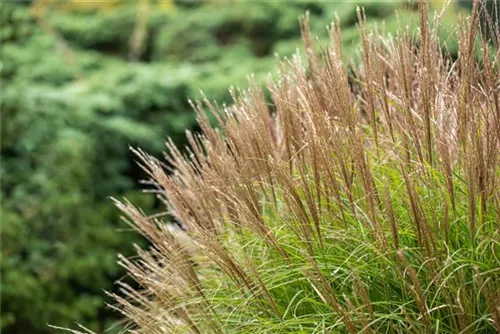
(73, 102)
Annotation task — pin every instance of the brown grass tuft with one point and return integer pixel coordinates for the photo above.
(365, 200)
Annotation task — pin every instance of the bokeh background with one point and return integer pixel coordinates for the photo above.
(81, 81)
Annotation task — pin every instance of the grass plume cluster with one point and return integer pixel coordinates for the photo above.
(365, 199)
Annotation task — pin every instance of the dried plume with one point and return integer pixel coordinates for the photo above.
(364, 198)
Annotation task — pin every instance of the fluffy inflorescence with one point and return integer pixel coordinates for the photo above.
(363, 199)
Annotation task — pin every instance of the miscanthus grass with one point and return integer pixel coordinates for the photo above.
(365, 199)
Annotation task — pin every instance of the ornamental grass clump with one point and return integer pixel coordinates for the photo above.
(364, 199)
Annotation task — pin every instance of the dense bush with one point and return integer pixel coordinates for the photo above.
(59, 234)
(72, 103)
(365, 200)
